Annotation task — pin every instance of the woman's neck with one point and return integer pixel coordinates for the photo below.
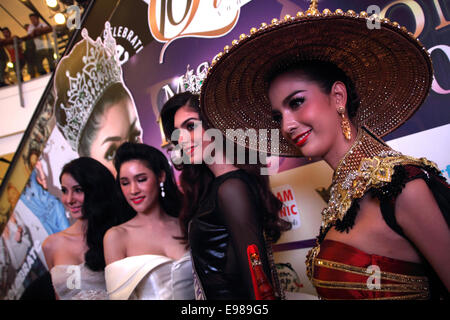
(365, 145)
(78, 227)
(221, 165)
(155, 213)
(220, 169)
(339, 149)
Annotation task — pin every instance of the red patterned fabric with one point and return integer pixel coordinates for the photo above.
(327, 277)
(261, 285)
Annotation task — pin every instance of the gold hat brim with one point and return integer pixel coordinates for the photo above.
(391, 69)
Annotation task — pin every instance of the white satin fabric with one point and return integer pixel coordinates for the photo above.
(78, 282)
(150, 277)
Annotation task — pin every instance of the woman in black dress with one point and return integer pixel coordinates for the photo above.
(226, 210)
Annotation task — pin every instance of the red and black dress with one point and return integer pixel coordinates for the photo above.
(340, 271)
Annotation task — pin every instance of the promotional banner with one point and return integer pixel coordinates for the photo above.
(155, 41)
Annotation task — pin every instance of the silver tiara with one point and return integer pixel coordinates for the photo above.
(193, 82)
(101, 69)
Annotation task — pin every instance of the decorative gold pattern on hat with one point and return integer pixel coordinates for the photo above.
(390, 68)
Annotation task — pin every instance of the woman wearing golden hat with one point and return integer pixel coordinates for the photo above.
(335, 87)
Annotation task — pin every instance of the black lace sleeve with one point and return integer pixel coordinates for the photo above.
(239, 206)
(404, 174)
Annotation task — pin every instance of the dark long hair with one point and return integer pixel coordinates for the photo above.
(195, 179)
(102, 206)
(154, 160)
(113, 94)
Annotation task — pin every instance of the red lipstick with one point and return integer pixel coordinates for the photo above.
(137, 200)
(301, 138)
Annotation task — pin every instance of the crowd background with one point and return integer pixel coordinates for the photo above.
(41, 37)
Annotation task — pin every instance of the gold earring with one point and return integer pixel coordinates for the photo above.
(345, 124)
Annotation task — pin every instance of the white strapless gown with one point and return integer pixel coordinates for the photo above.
(78, 282)
(150, 277)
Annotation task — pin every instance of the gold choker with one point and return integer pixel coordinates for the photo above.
(369, 163)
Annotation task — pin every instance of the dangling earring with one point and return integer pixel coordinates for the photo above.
(345, 124)
(161, 186)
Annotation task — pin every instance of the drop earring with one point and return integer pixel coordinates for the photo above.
(161, 186)
(345, 124)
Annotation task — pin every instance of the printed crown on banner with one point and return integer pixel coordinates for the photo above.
(80, 81)
(193, 82)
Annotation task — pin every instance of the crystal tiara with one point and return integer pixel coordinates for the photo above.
(100, 69)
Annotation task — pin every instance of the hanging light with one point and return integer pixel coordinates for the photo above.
(60, 18)
(52, 3)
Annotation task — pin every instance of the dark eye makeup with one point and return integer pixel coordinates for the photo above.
(296, 102)
(277, 116)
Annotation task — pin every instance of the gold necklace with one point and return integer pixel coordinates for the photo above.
(369, 163)
(350, 180)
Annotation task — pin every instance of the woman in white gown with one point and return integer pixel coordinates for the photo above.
(75, 255)
(145, 257)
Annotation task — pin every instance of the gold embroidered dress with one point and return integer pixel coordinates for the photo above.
(340, 271)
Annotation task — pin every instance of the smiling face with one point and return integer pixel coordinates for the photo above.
(307, 115)
(119, 123)
(72, 195)
(190, 138)
(139, 185)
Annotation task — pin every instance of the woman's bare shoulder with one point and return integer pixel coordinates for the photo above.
(116, 232)
(54, 240)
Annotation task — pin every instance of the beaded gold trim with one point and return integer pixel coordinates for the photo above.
(312, 11)
(422, 281)
(417, 296)
(387, 287)
(310, 257)
(368, 163)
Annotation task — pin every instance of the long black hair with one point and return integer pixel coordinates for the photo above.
(154, 160)
(102, 207)
(195, 179)
(112, 95)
